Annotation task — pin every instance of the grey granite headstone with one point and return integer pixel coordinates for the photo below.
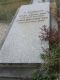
(23, 44)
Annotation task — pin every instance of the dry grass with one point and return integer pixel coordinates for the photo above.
(9, 7)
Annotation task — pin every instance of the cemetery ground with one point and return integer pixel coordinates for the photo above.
(3, 29)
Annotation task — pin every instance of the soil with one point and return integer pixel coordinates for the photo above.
(3, 30)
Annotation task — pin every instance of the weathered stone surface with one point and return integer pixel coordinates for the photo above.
(23, 44)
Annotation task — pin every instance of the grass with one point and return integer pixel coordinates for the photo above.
(9, 7)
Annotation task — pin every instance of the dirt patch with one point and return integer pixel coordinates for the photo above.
(3, 29)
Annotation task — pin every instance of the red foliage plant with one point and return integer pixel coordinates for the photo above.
(51, 35)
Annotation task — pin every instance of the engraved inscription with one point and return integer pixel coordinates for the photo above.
(33, 16)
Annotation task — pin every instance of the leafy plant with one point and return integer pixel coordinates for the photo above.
(43, 75)
(51, 35)
(51, 56)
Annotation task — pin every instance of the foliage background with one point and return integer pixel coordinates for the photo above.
(9, 7)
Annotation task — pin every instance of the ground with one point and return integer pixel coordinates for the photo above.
(3, 30)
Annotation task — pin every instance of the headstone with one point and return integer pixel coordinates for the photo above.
(37, 1)
(23, 44)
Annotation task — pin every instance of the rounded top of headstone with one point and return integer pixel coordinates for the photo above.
(37, 1)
